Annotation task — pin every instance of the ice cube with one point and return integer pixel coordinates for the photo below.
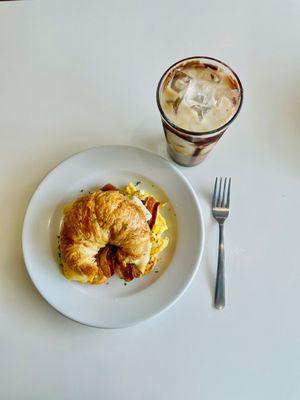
(215, 77)
(200, 97)
(199, 93)
(175, 103)
(210, 75)
(234, 96)
(180, 81)
(230, 94)
(201, 111)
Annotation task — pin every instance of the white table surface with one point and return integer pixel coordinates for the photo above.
(75, 74)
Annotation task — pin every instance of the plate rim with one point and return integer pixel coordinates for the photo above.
(176, 297)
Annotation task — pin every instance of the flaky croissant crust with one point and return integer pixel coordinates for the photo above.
(103, 220)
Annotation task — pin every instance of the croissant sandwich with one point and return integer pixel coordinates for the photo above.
(111, 231)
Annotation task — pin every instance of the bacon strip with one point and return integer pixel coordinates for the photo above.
(152, 205)
(108, 187)
(106, 260)
(125, 271)
(109, 264)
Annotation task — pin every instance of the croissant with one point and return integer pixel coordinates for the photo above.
(103, 232)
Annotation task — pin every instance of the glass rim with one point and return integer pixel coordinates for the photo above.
(195, 133)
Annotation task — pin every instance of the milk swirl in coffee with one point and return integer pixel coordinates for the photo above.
(199, 97)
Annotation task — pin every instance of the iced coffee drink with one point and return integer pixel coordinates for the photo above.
(198, 98)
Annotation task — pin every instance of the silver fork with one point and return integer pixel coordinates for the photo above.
(220, 211)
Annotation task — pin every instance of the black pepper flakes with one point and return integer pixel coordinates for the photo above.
(125, 283)
(138, 183)
(81, 190)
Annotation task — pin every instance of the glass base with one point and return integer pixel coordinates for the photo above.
(183, 160)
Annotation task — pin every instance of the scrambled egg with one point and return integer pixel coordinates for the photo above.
(158, 243)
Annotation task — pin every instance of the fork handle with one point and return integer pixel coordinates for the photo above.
(220, 282)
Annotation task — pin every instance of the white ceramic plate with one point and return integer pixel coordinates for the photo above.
(115, 304)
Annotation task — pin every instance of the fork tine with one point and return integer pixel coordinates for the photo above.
(224, 193)
(215, 193)
(228, 194)
(219, 194)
